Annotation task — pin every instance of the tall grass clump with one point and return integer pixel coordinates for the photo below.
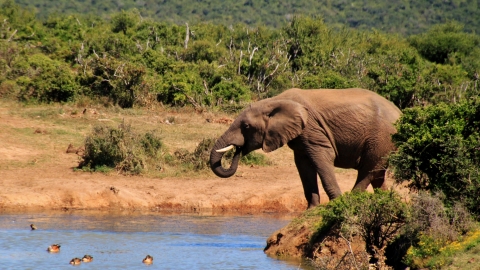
(121, 149)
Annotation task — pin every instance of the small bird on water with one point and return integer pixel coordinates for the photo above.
(75, 261)
(87, 258)
(54, 248)
(148, 260)
(33, 227)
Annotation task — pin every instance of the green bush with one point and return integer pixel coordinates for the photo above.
(122, 149)
(254, 158)
(123, 21)
(377, 217)
(438, 150)
(230, 91)
(445, 41)
(198, 159)
(120, 81)
(49, 81)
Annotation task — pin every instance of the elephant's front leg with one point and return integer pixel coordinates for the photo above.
(308, 175)
(323, 162)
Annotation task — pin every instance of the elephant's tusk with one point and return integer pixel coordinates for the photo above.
(225, 149)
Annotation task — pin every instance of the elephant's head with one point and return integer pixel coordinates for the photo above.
(267, 124)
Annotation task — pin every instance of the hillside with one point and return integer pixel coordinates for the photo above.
(399, 16)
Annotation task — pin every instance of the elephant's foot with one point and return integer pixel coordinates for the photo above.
(313, 201)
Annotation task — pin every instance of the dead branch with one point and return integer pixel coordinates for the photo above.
(187, 37)
(240, 61)
(189, 98)
(206, 87)
(251, 55)
(351, 251)
(10, 38)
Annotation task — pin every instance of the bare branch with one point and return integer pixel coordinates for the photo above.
(240, 61)
(189, 98)
(121, 66)
(10, 38)
(251, 55)
(187, 37)
(206, 87)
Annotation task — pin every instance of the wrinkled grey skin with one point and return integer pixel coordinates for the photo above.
(325, 128)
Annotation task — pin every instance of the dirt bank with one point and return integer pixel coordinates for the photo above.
(58, 186)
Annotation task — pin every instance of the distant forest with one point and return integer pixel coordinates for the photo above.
(405, 17)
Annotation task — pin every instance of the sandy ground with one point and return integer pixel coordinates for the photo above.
(55, 184)
(252, 190)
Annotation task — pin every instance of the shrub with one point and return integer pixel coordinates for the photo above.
(230, 91)
(49, 81)
(443, 41)
(120, 148)
(120, 81)
(198, 159)
(123, 21)
(438, 150)
(254, 158)
(432, 229)
(376, 217)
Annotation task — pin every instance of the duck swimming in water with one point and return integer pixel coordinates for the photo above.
(54, 248)
(75, 261)
(87, 258)
(148, 260)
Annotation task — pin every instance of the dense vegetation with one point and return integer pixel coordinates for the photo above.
(401, 16)
(132, 61)
(439, 150)
(420, 234)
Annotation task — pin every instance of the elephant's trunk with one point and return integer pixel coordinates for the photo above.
(216, 159)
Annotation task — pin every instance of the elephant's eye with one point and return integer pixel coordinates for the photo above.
(245, 125)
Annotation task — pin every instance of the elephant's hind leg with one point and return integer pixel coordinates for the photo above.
(373, 165)
(375, 177)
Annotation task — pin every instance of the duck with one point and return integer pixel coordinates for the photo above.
(148, 260)
(33, 227)
(87, 258)
(75, 261)
(54, 248)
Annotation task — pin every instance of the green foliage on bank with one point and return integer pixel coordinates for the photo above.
(439, 150)
(376, 217)
(130, 60)
(404, 16)
(420, 233)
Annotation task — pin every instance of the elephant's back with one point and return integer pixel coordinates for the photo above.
(351, 100)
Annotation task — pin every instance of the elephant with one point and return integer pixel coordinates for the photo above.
(325, 128)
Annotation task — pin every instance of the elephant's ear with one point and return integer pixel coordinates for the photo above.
(286, 121)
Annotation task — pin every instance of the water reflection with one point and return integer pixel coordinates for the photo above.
(120, 240)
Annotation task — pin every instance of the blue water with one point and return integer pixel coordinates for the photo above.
(121, 240)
